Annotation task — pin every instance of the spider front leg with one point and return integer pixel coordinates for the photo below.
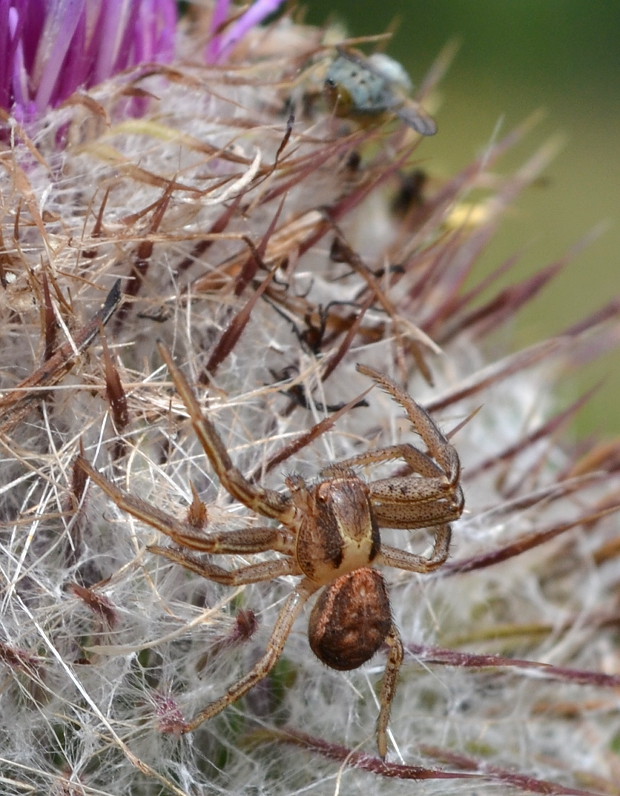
(408, 503)
(267, 502)
(431, 495)
(236, 542)
(400, 489)
(418, 462)
(438, 444)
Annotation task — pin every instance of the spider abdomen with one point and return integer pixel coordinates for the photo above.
(350, 620)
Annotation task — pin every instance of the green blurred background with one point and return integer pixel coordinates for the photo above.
(517, 56)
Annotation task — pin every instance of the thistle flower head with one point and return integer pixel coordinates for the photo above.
(271, 247)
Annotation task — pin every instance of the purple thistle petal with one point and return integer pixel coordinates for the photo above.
(10, 30)
(6, 50)
(220, 45)
(50, 48)
(113, 33)
(158, 24)
(75, 68)
(220, 15)
(60, 25)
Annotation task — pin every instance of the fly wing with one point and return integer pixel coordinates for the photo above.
(416, 118)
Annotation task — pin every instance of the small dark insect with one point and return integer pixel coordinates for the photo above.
(411, 192)
(328, 534)
(373, 89)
